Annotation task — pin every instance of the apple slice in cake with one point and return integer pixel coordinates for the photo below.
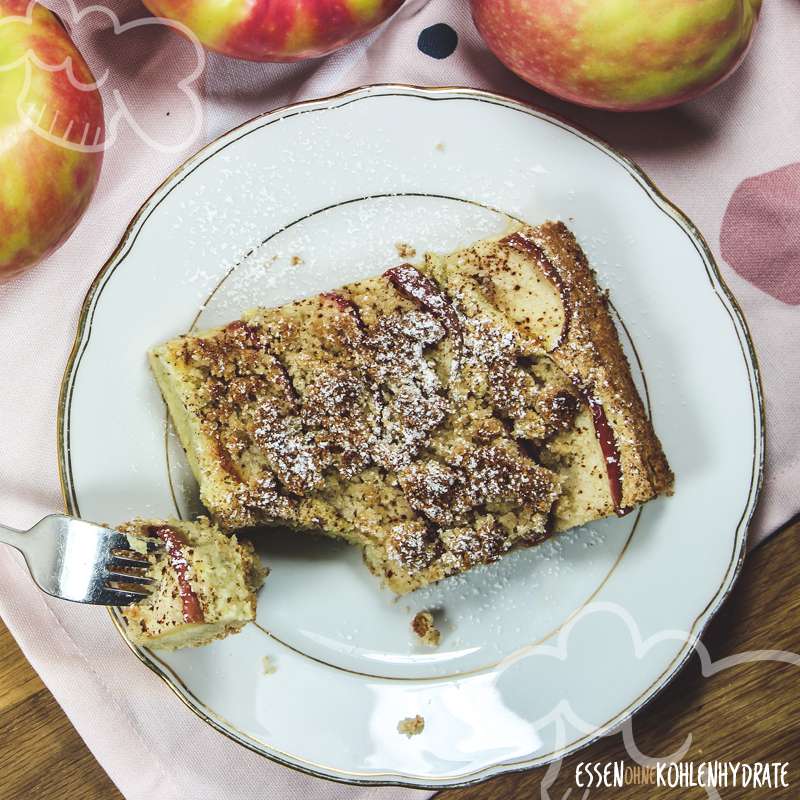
(437, 416)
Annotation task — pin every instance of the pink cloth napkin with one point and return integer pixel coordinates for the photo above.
(729, 159)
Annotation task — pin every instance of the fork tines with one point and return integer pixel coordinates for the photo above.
(125, 575)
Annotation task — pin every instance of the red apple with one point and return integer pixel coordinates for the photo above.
(51, 134)
(626, 55)
(276, 30)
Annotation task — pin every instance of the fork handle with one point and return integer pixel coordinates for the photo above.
(13, 537)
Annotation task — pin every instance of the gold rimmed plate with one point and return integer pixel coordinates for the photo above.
(543, 651)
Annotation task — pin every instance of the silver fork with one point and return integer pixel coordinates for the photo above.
(81, 561)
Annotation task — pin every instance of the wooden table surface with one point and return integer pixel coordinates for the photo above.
(748, 713)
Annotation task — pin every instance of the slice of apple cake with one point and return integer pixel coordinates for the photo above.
(437, 415)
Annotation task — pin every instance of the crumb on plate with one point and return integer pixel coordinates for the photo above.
(268, 666)
(405, 250)
(425, 630)
(411, 726)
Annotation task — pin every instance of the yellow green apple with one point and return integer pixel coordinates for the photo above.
(51, 133)
(276, 30)
(619, 54)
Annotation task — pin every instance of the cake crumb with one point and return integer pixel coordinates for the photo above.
(411, 726)
(296, 261)
(426, 631)
(268, 666)
(405, 250)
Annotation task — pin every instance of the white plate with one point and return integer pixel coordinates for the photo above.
(542, 652)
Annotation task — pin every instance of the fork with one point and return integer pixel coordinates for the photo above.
(81, 561)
